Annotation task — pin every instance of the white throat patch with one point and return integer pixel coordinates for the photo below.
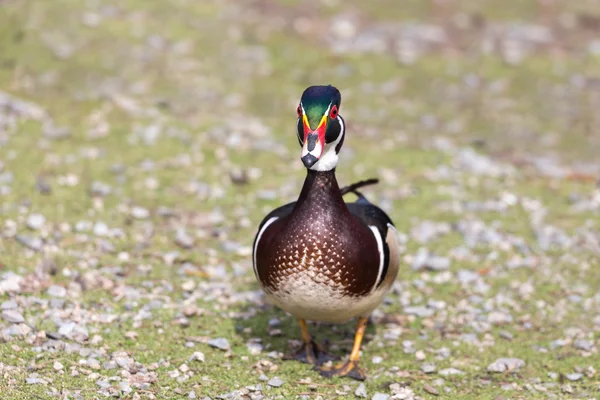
(329, 158)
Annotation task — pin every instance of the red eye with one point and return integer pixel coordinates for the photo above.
(299, 111)
(333, 112)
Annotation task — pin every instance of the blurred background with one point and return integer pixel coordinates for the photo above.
(517, 78)
(142, 142)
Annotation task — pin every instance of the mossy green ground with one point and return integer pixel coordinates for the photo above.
(185, 62)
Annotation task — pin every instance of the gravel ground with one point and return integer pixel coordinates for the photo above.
(142, 143)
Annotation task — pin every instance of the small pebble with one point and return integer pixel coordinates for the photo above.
(188, 285)
(197, 356)
(583, 344)
(9, 304)
(450, 371)
(361, 391)
(42, 186)
(183, 239)
(275, 382)
(431, 390)
(219, 343)
(139, 213)
(35, 221)
(101, 229)
(99, 189)
(575, 376)
(380, 396)
(56, 291)
(13, 316)
(428, 368)
(506, 364)
(32, 243)
(506, 335)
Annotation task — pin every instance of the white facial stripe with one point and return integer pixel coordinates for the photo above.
(381, 254)
(260, 233)
(329, 158)
(327, 111)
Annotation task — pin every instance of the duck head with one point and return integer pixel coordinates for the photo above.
(320, 127)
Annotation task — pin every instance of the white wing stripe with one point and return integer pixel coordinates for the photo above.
(381, 255)
(260, 233)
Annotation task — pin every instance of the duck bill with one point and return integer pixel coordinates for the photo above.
(314, 143)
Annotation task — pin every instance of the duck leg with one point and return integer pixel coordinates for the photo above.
(349, 368)
(310, 352)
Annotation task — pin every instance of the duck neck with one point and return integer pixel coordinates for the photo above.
(321, 188)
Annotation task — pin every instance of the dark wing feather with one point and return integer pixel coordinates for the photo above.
(371, 215)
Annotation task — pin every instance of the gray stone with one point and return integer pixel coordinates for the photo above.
(499, 318)
(83, 226)
(254, 348)
(93, 363)
(420, 311)
(275, 382)
(437, 263)
(450, 371)
(53, 335)
(428, 368)
(123, 361)
(100, 189)
(74, 331)
(466, 276)
(558, 343)
(139, 212)
(420, 259)
(197, 356)
(101, 229)
(10, 282)
(34, 381)
(103, 384)
(431, 390)
(56, 291)
(506, 335)
(380, 396)
(125, 387)
(57, 304)
(219, 343)
(108, 365)
(583, 344)
(17, 330)
(183, 239)
(361, 391)
(42, 186)
(13, 316)
(9, 304)
(506, 364)
(575, 376)
(32, 243)
(35, 221)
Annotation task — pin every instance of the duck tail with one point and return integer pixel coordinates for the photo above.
(353, 188)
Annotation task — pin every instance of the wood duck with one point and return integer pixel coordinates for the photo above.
(320, 258)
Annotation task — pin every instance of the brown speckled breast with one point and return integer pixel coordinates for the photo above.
(319, 240)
